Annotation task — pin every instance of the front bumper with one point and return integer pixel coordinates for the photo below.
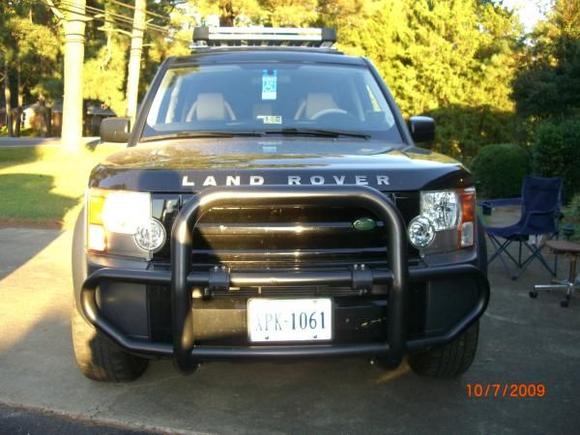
(181, 279)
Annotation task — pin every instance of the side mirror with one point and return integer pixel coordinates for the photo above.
(422, 129)
(115, 129)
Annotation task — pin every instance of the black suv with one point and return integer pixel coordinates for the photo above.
(273, 203)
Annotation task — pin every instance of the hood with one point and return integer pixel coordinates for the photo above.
(189, 166)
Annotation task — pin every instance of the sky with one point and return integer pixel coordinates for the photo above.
(530, 11)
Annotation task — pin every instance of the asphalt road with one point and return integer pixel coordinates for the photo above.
(523, 341)
(18, 420)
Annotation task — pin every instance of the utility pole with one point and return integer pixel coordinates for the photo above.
(74, 52)
(8, 96)
(135, 58)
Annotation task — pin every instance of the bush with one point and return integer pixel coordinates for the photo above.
(499, 170)
(556, 153)
(572, 216)
(463, 131)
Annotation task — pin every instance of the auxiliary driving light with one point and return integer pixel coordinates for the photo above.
(421, 232)
(150, 235)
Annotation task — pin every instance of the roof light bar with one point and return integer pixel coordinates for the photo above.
(263, 36)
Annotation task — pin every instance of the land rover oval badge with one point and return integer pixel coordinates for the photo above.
(364, 224)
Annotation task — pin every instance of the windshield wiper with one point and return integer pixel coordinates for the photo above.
(198, 134)
(317, 132)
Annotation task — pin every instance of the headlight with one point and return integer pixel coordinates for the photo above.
(121, 221)
(446, 221)
(441, 208)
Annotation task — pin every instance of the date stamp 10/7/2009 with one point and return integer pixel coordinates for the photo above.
(512, 391)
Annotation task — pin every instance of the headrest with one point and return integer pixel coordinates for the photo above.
(317, 102)
(210, 107)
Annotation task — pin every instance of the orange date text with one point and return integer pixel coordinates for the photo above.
(513, 391)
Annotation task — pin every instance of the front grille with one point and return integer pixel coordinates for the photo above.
(284, 237)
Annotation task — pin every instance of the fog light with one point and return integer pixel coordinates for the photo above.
(150, 235)
(421, 232)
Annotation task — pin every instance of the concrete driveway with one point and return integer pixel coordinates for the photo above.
(522, 341)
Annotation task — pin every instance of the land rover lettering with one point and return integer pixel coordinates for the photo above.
(291, 180)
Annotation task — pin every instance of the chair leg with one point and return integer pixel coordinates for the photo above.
(535, 253)
(499, 249)
(502, 248)
(571, 282)
(569, 286)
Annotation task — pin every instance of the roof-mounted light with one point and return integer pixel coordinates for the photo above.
(263, 36)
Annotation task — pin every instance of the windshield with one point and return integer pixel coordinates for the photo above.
(271, 98)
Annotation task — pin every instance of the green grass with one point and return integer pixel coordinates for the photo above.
(45, 185)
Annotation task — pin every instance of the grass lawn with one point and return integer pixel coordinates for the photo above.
(44, 186)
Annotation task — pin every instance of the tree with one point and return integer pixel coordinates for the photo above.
(231, 11)
(290, 13)
(453, 60)
(548, 85)
(30, 47)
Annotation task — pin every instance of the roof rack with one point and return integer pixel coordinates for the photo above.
(263, 36)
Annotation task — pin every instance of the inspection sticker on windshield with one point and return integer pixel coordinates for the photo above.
(269, 84)
(270, 119)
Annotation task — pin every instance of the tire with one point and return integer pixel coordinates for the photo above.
(99, 358)
(450, 360)
(96, 355)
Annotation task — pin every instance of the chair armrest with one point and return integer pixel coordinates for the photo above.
(501, 202)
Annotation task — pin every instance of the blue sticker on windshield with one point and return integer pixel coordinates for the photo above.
(269, 84)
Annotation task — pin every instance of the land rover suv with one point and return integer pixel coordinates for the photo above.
(272, 203)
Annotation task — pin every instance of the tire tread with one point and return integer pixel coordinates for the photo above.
(100, 359)
(450, 360)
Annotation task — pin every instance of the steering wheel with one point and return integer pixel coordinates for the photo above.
(328, 112)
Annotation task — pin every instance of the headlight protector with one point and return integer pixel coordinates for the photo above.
(441, 208)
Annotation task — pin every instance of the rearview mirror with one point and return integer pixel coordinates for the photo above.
(115, 129)
(422, 129)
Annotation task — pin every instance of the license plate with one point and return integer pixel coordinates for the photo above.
(289, 319)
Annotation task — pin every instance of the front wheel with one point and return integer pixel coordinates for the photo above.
(450, 360)
(98, 357)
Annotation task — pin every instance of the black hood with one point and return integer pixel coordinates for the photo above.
(186, 166)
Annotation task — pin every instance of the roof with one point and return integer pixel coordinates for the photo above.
(265, 54)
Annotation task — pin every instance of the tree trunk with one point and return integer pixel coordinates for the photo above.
(135, 58)
(7, 98)
(74, 50)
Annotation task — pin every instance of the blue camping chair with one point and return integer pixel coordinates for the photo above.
(540, 215)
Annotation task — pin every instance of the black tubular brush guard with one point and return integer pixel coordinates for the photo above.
(182, 280)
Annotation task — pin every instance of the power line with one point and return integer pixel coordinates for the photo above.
(71, 7)
(153, 14)
(124, 22)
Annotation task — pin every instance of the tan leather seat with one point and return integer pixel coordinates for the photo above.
(314, 103)
(210, 107)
